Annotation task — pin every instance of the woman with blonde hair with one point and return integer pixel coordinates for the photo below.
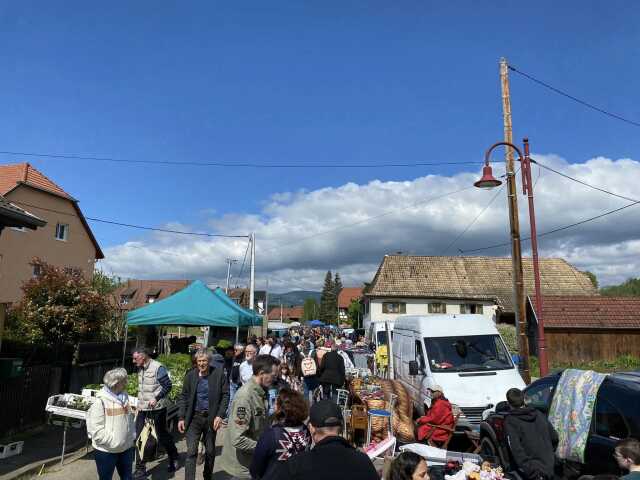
(111, 427)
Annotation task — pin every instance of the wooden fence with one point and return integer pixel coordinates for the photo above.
(23, 399)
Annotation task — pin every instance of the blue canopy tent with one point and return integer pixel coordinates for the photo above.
(195, 305)
(316, 323)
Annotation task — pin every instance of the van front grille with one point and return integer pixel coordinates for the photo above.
(474, 414)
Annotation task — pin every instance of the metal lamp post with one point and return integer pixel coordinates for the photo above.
(489, 181)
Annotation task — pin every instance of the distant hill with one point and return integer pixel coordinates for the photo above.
(297, 297)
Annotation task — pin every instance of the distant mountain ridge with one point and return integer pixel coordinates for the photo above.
(296, 297)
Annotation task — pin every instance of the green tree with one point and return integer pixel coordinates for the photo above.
(337, 287)
(112, 329)
(630, 288)
(354, 312)
(311, 309)
(592, 277)
(60, 306)
(328, 300)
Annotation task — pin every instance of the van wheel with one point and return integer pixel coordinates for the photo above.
(487, 448)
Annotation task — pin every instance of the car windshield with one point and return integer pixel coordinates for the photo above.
(465, 354)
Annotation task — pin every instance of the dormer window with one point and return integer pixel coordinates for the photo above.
(127, 296)
(153, 295)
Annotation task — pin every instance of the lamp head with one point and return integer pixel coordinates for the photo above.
(488, 180)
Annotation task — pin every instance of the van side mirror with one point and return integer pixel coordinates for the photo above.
(414, 369)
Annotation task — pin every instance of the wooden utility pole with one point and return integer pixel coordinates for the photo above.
(519, 296)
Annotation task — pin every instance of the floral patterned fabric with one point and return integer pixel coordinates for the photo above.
(572, 410)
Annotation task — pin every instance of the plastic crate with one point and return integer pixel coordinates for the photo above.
(11, 449)
(66, 411)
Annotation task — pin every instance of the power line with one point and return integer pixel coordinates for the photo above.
(235, 165)
(581, 182)
(129, 225)
(368, 219)
(455, 240)
(575, 99)
(555, 230)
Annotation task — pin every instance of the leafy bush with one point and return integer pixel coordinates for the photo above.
(177, 364)
(223, 344)
(508, 334)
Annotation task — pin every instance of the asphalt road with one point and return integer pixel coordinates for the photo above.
(85, 467)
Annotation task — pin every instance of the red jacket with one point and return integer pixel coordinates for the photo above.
(439, 414)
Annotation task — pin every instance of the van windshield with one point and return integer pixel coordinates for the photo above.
(465, 354)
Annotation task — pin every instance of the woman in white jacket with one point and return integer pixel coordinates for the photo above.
(111, 427)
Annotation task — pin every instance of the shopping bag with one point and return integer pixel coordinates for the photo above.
(147, 442)
(308, 367)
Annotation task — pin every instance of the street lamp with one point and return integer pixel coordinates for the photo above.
(489, 181)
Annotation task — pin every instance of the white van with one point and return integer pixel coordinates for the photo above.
(464, 354)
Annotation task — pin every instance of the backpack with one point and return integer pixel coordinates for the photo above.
(308, 367)
(147, 442)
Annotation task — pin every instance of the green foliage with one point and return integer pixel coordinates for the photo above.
(620, 364)
(223, 344)
(177, 364)
(337, 286)
(630, 288)
(354, 311)
(59, 306)
(311, 309)
(328, 301)
(104, 283)
(508, 334)
(592, 277)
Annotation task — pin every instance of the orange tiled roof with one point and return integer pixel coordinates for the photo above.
(348, 294)
(14, 174)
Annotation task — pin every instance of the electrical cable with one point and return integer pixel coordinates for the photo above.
(368, 219)
(581, 182)
(555, 230)
(129, 225)
(236, 165)
(244, 259)
(575, 99)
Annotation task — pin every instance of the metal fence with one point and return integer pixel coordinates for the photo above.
(22, 399)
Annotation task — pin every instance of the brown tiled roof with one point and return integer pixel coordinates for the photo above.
(288, 313)
(598, 312)
(14, 175)
(348, 294)
(480, 278)
(141, 288)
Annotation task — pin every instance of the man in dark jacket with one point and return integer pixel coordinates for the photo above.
(330, 450)
(202, 406)
(331, 372)
(532, 439)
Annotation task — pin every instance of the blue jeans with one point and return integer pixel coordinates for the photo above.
(233, 388)
(107, 462)
(310, 384)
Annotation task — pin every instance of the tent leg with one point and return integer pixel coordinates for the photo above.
(124, 344)
(237, 334)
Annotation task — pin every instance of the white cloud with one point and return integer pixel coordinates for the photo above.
(301, 234)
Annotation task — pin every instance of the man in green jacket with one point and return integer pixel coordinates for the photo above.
(248, 418)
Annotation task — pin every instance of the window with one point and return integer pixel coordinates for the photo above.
(437, 307)
(419, 355)
(151, 298)
(467, 353)
(62, 231)
(124, 299)
(540, 395)
(609, 421)
(37, 270)
(394, 307)
(471, 308)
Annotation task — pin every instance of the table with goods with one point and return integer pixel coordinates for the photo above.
(373, 393)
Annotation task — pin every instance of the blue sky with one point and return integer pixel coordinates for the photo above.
(298, 82)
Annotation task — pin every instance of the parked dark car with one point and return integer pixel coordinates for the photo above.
(616, 416)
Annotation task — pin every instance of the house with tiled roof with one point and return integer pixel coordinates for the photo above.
(286, 314)
(66, 240)
(422, 285)
(583, 328)
(138, 293)
(345, 297)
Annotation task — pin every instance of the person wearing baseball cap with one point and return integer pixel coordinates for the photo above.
(332, 456)
(440, 413)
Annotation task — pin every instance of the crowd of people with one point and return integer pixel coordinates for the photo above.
(275, 401)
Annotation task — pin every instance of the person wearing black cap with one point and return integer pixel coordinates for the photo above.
(332, 456)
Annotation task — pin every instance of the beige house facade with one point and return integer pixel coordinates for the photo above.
(65, 241)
